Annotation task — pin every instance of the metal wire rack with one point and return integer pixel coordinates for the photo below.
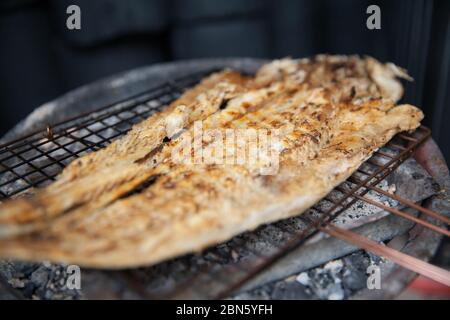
(36, 159)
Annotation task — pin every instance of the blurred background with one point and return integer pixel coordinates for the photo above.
(41, 59)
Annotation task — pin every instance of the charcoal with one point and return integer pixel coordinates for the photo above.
(310, 259)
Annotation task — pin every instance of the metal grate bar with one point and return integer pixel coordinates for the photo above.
(78, 135)
(70, 139)
(404, 260)
(141, 97)
(402, 214)
(411, 204)
(316, 224)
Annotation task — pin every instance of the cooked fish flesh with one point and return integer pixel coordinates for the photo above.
(135, 203)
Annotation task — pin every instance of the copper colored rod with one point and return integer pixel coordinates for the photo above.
(409, 203)
(403, 136)
(424, 268)
(386, 168)
(397, 146)
(402, 214)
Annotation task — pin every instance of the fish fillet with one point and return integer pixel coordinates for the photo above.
(131, 204)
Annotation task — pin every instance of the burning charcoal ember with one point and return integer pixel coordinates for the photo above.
(354, 275)
(335, 280)
(40, 277)
(38, 281)
(289, 290)
(327, 281)
(28, 290)
(258, 294)
(16, 283)
(374, 259)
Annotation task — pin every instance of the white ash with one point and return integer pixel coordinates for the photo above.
(327, 283)
(335, 280)
(362, 212)
(304, 279)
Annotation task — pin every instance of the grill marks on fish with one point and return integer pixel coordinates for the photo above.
(118, 168)
(137, 207)
(152, 153)
(114, 168)
(203, 99)
(141, 187)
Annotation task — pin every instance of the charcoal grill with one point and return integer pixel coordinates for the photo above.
(37, 149)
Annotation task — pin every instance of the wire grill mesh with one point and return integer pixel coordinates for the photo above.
(36, 159)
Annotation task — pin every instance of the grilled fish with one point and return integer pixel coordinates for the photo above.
(143, 199)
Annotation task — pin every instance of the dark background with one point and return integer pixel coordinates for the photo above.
(41, 59)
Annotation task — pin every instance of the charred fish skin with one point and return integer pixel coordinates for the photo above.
(331, 112)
